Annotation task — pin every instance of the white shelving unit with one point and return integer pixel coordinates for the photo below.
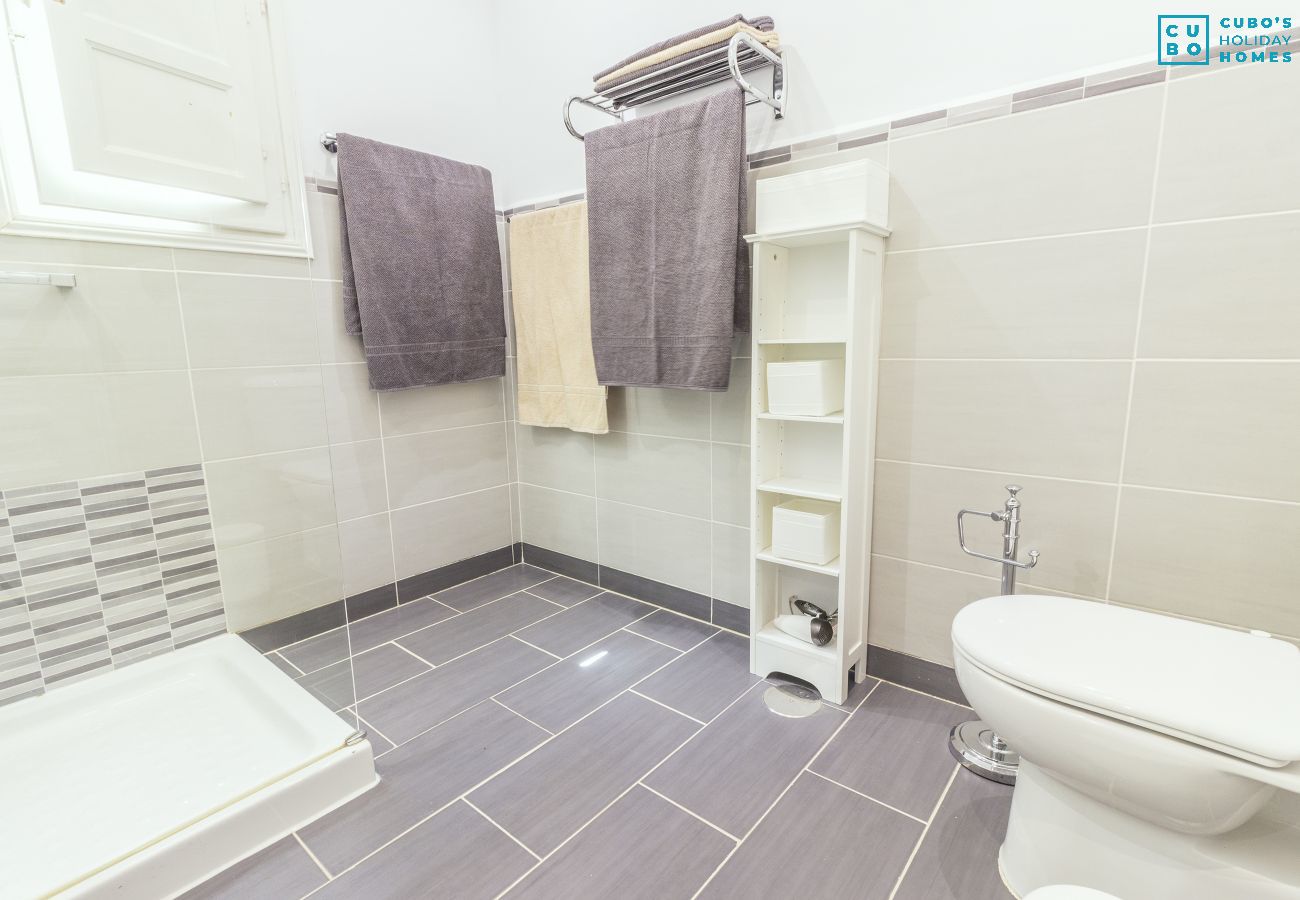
(817, 294)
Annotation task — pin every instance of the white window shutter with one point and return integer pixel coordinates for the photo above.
(162, 92)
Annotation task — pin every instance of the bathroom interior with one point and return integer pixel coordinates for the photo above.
(649, 450)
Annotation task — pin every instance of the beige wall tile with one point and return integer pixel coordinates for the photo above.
(559, 521)
(239, 320)
(1063, 419)
(960, 303)
(113, 320)
(557, 458)
(442, 406)
(247, 411)
(1069, 523)
(732, 561)
(912, 606)
(1219, 427)
(367, 552)
(359, 485)
(661, 473)
(664, 411)
(730, 408)
(440, 464)
(351, 407)
(446, 531)
(240, 263)
(1228, 171)
(1076, 167)
(63, 427)
(731, 484)
(336, 345)
(257, 498)
(653, 544)
(1223, 290)
(323, 217)
(1215, 558)
(269, 580)
(87, 253)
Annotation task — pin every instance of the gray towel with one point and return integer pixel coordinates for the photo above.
(421, 265)
(669, 268)
(762, 23)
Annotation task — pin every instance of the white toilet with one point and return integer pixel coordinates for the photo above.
(1149, 746)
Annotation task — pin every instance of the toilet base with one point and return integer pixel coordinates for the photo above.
(1057, 835)
(979, 749)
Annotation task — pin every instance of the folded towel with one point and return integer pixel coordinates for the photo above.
(762, 23)
(421, 265)
(680, 53)
(669, 268)
(552, 310)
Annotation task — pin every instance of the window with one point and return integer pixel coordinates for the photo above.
(148, 121)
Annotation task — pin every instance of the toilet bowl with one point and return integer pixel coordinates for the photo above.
(1148, 745)
(1068, 892)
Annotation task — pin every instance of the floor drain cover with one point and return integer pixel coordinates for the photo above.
(793, 701)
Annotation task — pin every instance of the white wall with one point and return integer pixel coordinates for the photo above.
(418, 74)
(851, 63)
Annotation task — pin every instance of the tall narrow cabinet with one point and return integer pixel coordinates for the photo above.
(816, 295)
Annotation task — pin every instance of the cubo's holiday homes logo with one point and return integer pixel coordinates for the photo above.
(1185, 40)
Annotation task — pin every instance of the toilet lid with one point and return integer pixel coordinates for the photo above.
(1235, 691)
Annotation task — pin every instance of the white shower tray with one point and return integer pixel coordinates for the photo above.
(146, 780)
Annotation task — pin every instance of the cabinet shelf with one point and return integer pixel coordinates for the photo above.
(832, 419)
(770, 634)
(831, 568)
(809, 488)
(771, 342)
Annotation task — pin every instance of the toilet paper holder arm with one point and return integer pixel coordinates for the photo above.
(1009, 516)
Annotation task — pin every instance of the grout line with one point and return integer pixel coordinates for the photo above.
(648, 638)
(520, 715)
(925, 831)
(411, 652)
(867, 797)
(534, 646)
(392, 744)
(471, 805)
(548, 600)
(673, 709)
(289, 662)
(1137, 340)
(722, 831)
(320, 865)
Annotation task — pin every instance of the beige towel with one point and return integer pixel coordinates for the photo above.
(769, 39)
(552, 306)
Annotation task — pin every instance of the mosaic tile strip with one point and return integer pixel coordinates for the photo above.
(102, 573)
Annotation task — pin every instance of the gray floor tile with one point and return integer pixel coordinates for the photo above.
(319, 651)
(895, 748)
(702, 682)
(362, 676)
(564, 590)
(732, 770)
(426, 700)
(588, 621)
(958, 859)
(493, 587)
(283, 664)
(642, 846)
(482, 625)
(457, 853)
(550, 794)
(378, 743)
(419, 777)
(570, 689)
(820, 841)
(394, 623)
(674, 630)
(858, 692)
(281, 870)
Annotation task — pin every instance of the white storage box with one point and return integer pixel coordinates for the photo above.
(806, 531)
(808, 387)
(833, 195)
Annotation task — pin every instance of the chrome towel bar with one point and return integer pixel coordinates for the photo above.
(56, 279)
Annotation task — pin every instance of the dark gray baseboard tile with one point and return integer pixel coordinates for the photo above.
(580, 569)
(367, 603)
(914, 672)
(298, 627)
(688, 603)
(730, 616)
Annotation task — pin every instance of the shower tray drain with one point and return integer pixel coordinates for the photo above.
(794, 701)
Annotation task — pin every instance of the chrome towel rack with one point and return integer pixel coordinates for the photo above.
(743, 54)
